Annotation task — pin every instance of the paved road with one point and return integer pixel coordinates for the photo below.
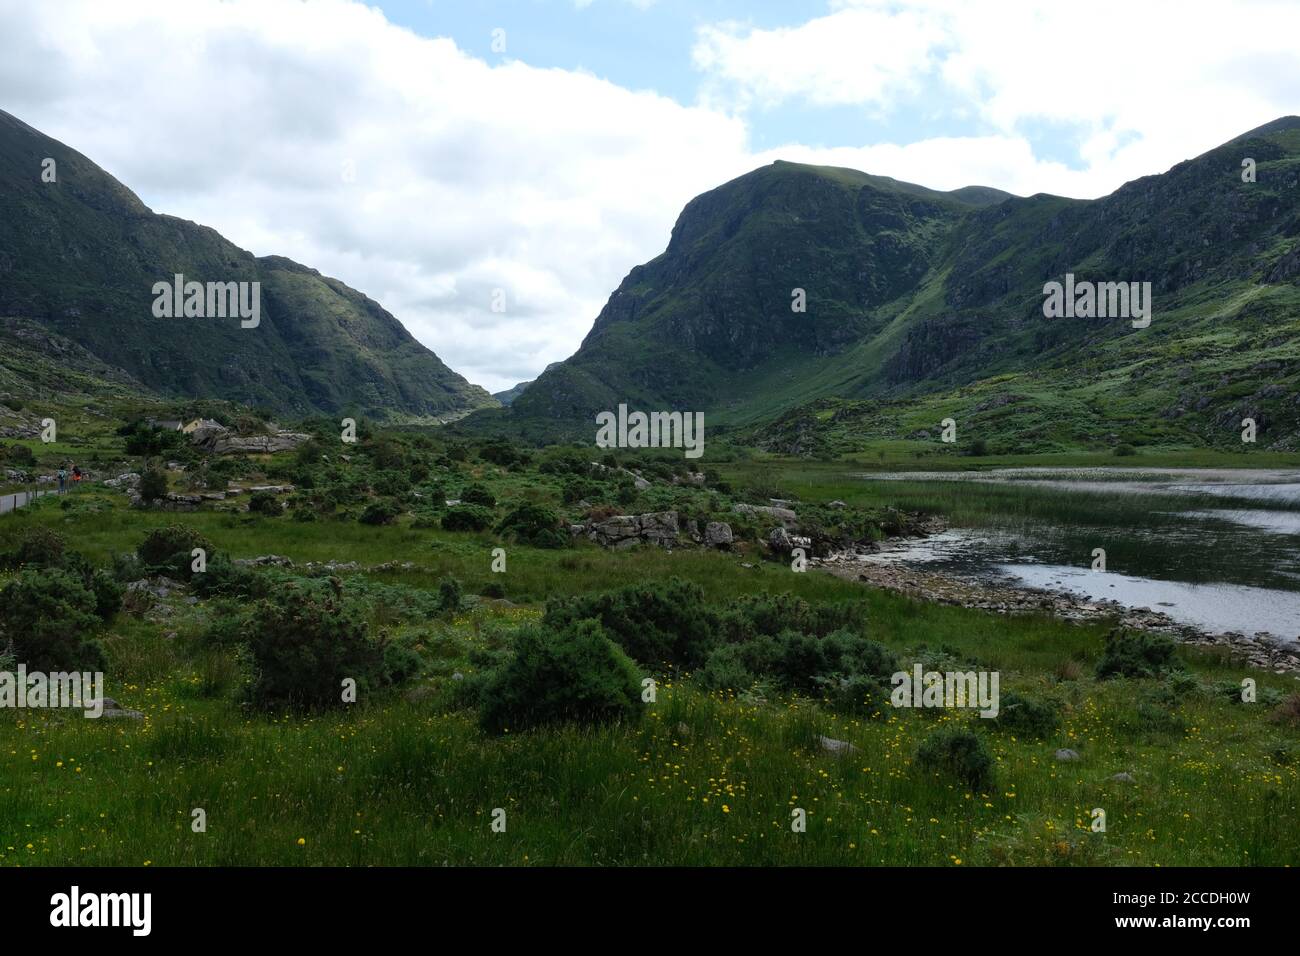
(11, 502)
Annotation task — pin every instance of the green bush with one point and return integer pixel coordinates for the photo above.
(226, 579)
(1136, 654)
(449, 594)
(533, 524)
(1125, 451)
(1027, 716)
(305, 643)
(45, 548)
(401, 663)
(382, 511)
(478, 495)
(467, 518)
(265, 503)
(573, 674)
(47, 618)
(809, 664)
(960, 753)
(655, 624)
(153, 485)
(169, 551)
(39, 547)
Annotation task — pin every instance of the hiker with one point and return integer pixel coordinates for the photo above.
(76, 473)
(63, 478)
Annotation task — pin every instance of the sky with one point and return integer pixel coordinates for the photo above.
(490, 170)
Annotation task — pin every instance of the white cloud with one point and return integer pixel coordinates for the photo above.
(468, 176)
(1141, 85)
(473, 175)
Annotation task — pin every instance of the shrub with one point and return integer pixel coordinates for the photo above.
(754, 615)
(383, 511)
(726, 669)
(478, 495)
(1125, 451)
(573, 674)
(265, 503)
(655, 624)
(305, 643)
(45, 548)
(959, 752)
(1288, 712)
(449, 594)
(499, 452)
(107, 594)
(153, 485)
(48, 618)
(467, 518)
(401, 663)
(169, 551)
(39, 547)
(858, 694)
(1027, 716)
(225, 578)
(20, 454)
(225, 626)
(535, 525)
(1136, 654)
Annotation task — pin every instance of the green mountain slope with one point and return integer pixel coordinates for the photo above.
(81, 255)
(920, 302)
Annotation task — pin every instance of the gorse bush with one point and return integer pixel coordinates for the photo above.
(753, 615)
(1136, 654)
(45, 548)
(48, 619)
(449, 594)
(478, 495)
(169, 551)
(655, 624)
(383, 511)
(803, 663)
(153, 485)
(1027, 716)
(305, 643)
(570, 674)
(266, 504)
(467, 518)
(960, 753)
(533, 524)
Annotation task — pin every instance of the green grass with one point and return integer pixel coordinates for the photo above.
(705, 779)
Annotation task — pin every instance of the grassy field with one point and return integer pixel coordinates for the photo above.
(408, 777)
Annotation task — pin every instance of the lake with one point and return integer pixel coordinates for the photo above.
(1215, 548)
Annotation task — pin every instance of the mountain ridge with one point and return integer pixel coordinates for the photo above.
(81, 254)
(916, 293)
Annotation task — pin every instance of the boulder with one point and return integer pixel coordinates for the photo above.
(779, 540)
(785, 516)
(717, 534)
(624, 531)
(839, 747)
(1066, 754)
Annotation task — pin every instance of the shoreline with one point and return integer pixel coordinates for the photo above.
(1261, 650)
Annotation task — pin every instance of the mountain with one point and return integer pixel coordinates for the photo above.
(80, 255)
(922, 304)
(510, 394)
